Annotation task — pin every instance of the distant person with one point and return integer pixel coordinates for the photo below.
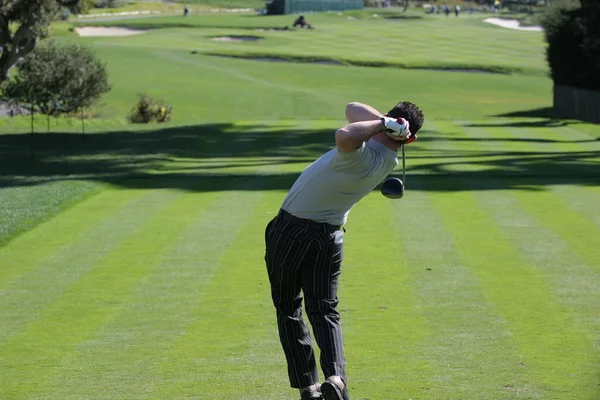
(457, 10)
(446, 9)
(300, 22)
(186, 11)
(432, 10)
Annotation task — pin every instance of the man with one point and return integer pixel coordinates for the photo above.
(304, 241)
(300, 22)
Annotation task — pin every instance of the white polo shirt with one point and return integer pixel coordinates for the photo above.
(333, 184)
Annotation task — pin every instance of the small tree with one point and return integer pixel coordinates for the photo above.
(59, 79)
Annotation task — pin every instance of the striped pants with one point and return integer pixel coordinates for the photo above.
(306, 258)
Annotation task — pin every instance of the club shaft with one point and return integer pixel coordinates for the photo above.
(403, 167)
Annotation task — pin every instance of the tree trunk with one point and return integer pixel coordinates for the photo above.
(34, 16)
(21, 44)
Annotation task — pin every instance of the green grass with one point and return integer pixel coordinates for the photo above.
(423, 41)
(193, 5)
(159, 6)
(131, 257)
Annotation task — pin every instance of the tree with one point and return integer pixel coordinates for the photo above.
(23, 22)
(572, 29)
(59, 79)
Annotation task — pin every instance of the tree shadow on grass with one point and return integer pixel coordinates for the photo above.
(541, 112)
(222, 157)
(542, 123)
(545, 118)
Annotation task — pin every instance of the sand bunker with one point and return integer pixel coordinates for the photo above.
(512, 24)
(107, 31)
(236, 38)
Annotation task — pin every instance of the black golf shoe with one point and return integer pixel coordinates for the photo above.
(331, 391)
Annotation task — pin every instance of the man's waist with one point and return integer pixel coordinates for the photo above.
(308, 223)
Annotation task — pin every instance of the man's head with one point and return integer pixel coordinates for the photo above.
(409, 112)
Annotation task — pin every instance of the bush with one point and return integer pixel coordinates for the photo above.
(149, 110)
(59, 79)
(572, 30)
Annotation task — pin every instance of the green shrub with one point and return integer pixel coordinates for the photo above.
(572, 30)
(149, 110)
(58, 79)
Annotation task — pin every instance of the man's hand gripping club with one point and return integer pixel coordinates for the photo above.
(398, 129)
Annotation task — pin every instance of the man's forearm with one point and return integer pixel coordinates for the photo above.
(351, 136)
(361, 112)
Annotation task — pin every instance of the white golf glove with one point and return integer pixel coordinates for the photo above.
(398, 127)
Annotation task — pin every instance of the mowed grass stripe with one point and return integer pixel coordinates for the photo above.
(465, 328)
(161, 308)
(89, 302)
(23, 205)
(234, 335)
(576, 229)
(583, 144)
(581, 200)
(236, 345)
(259, 361)
(521, 293)
(579, 229)
(17, 257)
(524, 293)
(574, 284)
(131, 332)
(574, 280)
(381, 322)
(62, 264)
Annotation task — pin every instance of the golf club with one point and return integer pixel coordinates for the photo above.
(393, 188)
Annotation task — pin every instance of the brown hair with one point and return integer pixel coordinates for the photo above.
(409, 112)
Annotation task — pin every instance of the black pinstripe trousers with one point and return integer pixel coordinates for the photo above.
(306, 259)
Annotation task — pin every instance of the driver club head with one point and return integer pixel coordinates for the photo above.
(392, 188)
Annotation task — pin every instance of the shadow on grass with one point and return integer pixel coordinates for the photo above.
(403, 17)
(543, 123)
(545, 115)
(220, 157)
(542, 112)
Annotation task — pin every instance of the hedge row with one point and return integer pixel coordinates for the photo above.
(572, 29)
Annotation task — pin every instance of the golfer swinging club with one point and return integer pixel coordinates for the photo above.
(304, 241)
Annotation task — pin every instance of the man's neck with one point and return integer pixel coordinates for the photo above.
(387, 141)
